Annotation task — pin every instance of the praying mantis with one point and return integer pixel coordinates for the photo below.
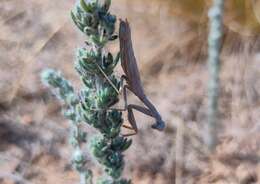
(133, 82)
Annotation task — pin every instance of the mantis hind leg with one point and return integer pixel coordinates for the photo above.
(159, 125)
(132, 122)
(131, 117)
(130, 113)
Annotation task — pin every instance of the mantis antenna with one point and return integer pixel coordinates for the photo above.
(105, 75)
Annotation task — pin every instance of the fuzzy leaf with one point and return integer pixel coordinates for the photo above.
(86, 6)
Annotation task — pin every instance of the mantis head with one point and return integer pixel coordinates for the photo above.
(159, 125)
(124, 30)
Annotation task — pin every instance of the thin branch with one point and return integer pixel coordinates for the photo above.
(214, 48)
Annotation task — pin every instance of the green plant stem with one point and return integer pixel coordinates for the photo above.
(65, 92)
(92, 18)
(214, 48)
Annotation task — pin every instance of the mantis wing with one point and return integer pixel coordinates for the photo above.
(128, 60)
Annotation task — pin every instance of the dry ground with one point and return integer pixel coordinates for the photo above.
(33, 141)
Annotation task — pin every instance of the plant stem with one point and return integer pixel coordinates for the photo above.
(214, 48)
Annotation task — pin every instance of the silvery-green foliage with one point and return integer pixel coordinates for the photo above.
(64, 91)
(92, 104)
(108, 181)
(95, 67)
(214, 49)
(93, 18)
(110, 155)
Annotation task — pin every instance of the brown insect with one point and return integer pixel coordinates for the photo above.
(133, 81)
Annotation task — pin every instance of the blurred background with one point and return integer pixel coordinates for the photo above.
(170, 41)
